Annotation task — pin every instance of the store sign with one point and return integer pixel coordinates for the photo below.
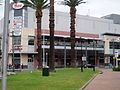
(18, 22)
(116, 54)
(83, 58)
(17, 32)
(18, 5)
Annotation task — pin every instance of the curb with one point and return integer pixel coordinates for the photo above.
(84, 86)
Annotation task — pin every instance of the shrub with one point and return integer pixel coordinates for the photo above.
(116, 69)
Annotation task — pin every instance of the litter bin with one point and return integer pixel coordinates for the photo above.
(45, 71)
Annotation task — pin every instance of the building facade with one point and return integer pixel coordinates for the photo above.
(90, 47)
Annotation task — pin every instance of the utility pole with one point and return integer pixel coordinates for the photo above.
(5, 44)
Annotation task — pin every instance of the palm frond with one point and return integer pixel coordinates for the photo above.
(29, 4)
(36, 4)
(15, 1)
(45, 4)
(72, 3)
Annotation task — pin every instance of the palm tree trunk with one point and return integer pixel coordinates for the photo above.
(72, 35)
(51, 26)
(39, 44)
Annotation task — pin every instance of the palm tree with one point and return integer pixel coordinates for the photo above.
(51, 26)
(72, 4)
(15, 1)
(38, 5)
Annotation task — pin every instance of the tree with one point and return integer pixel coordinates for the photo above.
(38, 5)
(51, 26)
(72, 4)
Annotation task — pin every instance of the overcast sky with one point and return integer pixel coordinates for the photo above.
(95, 8)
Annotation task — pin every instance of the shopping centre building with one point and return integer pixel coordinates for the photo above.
(97, 39)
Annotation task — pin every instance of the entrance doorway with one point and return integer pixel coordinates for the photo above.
(30, 63)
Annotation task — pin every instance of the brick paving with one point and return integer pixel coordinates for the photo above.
(108, 80)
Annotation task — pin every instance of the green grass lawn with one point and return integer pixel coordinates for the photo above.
(62, 79)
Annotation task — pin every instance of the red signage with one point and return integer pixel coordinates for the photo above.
(18, 5)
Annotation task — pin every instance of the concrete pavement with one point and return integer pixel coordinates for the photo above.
(108, 80)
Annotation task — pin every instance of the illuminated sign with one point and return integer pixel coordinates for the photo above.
(18, 5)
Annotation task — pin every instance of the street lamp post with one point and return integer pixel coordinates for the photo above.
(5, 44)
(43, 51)
(114, 62)
(64, 53)
(95, 46)
(94, 49)
(113, 52)
(76, 55)
(86, 51)
(81, 55)
(46, 59)
(81, 46)
(13, 51)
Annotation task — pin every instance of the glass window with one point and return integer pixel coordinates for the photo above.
(25, 17)
(115, 45)
(17, 12)
(31, 40)
(17, 40)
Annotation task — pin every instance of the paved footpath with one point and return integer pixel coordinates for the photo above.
(109, 80)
